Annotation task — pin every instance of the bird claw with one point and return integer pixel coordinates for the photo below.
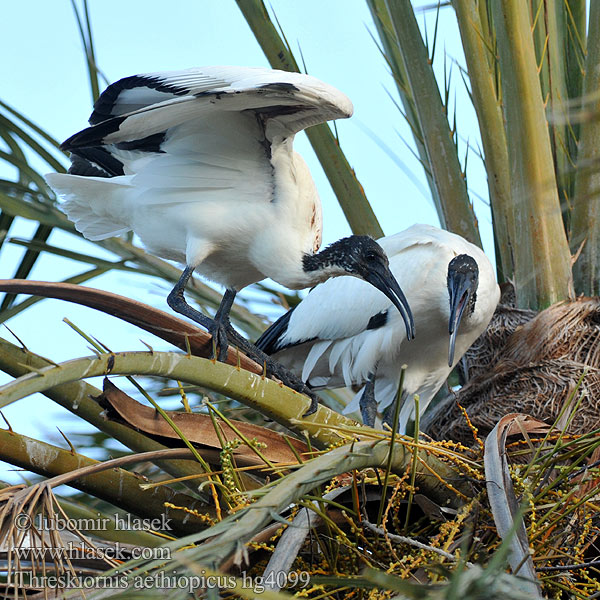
(220, 344)
(314, 403)
(222, 332)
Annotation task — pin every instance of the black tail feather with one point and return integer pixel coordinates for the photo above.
(270, 341)
(95, 162)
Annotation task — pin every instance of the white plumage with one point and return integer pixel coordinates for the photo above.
(220, 172)
(343, 332)
(200, 165)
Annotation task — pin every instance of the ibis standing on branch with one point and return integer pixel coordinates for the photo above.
(345, 333)
(200, 165)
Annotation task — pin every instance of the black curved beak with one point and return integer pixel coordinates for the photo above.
(460, 288)
(381, 277)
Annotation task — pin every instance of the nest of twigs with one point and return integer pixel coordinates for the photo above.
(531, 364)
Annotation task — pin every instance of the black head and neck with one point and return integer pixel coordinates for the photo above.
(463, 279)
(360, 256)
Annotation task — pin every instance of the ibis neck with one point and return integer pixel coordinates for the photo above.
(299, 276)
(320, 266)
(299, 270)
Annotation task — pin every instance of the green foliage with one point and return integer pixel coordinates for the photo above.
(526, 74)
(532, 75)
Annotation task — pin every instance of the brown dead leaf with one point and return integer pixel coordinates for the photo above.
(161, 324)
(502, 497)
(516, 423)
(197, 428)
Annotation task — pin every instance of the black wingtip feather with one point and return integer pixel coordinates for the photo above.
(151, 143)
(92, 136)
(85, 168)
(269, 341)
(105, 105)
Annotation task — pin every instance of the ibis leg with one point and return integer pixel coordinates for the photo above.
(223, 334)
(221, 325)
(178, 303)
(368, 404)
(273, 368)
(217, 327)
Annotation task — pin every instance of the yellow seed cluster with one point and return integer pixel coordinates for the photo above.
(560, 520)
(205, 518)
(260, 546)
(472, 427)
(583, 536)
(235, 496)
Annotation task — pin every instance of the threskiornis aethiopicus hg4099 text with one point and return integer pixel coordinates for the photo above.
(199, 164)
(345, 333)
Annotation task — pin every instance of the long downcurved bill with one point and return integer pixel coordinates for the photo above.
(385, 282)
(460, 292)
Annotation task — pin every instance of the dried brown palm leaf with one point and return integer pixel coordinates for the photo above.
(200, 428)
(37, 538)
(178, 332)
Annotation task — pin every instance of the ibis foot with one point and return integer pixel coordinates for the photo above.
(221, 326)
(218, 330)
(273, 368)
(224, 334)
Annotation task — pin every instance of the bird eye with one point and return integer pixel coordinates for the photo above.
(371, 255)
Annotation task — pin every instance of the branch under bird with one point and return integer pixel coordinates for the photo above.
(199, 164)
(345, 333)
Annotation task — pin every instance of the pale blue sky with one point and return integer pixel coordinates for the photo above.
(44, 76)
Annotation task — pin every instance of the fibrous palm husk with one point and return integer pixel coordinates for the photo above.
(534, 369)
(569, 330)
(488, 347)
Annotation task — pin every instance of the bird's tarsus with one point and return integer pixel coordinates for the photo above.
(368, 404)
(218, 327)
(224, 334)
(178, 303)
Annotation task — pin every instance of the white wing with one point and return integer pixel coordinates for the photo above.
(205, 136)
(136, 107)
